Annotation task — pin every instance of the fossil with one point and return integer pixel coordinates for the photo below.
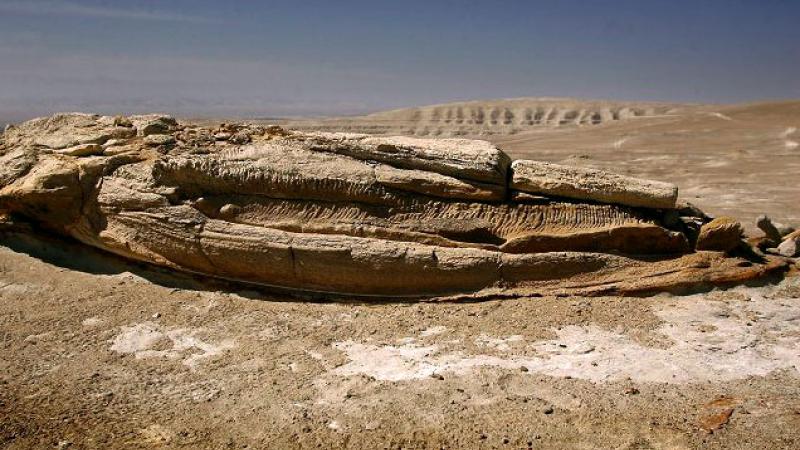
(352, 214)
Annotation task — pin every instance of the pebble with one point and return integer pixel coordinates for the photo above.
(229, 210)
(790, 247)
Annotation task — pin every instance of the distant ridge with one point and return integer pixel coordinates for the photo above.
(486, 117)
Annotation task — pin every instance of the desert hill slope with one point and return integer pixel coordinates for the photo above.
(489, 117)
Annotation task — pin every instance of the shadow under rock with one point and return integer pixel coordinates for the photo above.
(68, 253)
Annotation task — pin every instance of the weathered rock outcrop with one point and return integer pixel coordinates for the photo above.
(351, 214)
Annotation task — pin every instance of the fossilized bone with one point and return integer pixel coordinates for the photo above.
(350, 214)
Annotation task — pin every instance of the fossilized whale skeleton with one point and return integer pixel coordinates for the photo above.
(351, 214)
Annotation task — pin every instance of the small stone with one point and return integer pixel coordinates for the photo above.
(524, 369)
(765, 224)
(222, 136)
(721, 234)
(437, 376)
(549, 410)
(82, 150)
(202, 203)
(229, 210)
(790, 247)
(713, 422)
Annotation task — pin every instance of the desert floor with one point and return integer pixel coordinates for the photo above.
(96, 352)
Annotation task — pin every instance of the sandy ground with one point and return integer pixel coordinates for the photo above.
(102, 354)
(96, 352)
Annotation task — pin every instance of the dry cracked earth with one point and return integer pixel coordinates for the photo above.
(98, 352)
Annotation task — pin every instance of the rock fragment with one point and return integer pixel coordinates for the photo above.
(715, 421)
(721, 234)
(462, 158)
(590, 184)
(437, 185)
(229, 211)
(790, 247)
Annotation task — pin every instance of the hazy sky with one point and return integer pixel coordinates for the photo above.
(265, 58)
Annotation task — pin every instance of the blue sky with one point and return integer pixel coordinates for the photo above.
(277, 58)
